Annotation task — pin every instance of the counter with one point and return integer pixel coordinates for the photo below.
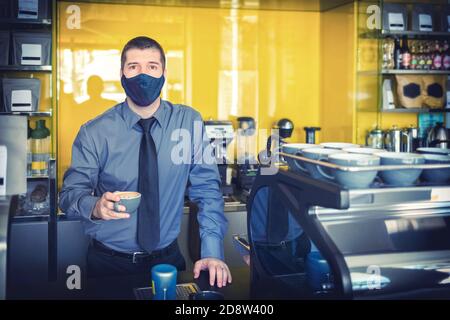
(31, 249)
(121, 287)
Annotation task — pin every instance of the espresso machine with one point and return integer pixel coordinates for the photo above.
(220, 134)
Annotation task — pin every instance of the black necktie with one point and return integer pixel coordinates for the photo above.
(148, 211)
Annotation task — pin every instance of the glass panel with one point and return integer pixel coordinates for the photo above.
(279, 242)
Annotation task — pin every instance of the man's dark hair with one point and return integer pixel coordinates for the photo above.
(142, 43)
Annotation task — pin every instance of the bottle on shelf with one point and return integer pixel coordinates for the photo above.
(397, 54)
(437, 57)
(429, 56)
(388, 54)
(40, 146)
(421, 60)
(446, 56)
(414, 55)
(29, 153)
(406, 55)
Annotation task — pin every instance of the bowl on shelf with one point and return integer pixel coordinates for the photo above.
(320, 154)
(440, 151)
(400, 177)
(363, 150)
(436, 175)
(352, 179)
(339, 145)
(296, 149)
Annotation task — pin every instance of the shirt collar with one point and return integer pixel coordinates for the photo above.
(131, 118)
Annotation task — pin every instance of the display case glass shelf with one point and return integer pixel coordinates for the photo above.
(29, 113)
(26, 68)
(38, 22)
(414, 110)
(430, 72)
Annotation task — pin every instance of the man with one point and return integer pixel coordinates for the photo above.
(129, 148)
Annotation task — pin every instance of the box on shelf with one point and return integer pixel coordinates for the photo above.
(434, 88)
(409, 91)
(422, 18)
(395, 17)
(388, 95)
(445, 19)
(32, 48)
(4, 44)
(31, 10)
(21, 95)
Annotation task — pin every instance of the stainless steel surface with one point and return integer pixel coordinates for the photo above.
(236, 206)
(4, 224)
(398, 258)
(393, 139)
(367, 168)
(438, 136)
(13, 134)
(386, 210)
(410, 135)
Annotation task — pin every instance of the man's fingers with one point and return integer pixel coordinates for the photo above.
(219, 275)
(197, 269)
(230, 278)
(115, 215)
(108, 204)
(212, 275)
(111, 196)
(225, 277)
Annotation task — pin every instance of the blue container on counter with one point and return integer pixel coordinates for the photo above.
(164, 282)
(318, 272)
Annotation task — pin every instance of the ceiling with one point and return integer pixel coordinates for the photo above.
(288, 5)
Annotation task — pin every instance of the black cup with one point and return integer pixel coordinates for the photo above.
(206, 295)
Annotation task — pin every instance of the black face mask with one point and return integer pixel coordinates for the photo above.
(142, 89)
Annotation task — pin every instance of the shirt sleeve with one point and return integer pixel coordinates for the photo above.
(77, 194)
(205, 191)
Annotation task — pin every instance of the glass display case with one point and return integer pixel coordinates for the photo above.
(397, 63)
(28, 89)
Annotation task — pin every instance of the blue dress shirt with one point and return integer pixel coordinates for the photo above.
(105, 157)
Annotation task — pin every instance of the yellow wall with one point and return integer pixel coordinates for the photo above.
(313, 68)
(223, 62)
(337, 73)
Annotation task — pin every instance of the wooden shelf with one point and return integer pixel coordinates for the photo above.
(415, 110)
(26, 68)
(30, 114)
(438, 72)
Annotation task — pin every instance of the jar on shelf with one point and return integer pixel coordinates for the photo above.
(40, 147)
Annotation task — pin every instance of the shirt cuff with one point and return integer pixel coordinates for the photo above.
(212, 247)
(86, 206)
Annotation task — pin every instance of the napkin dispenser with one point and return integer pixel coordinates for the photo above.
(422, 18)
(31, 48)
(21, 94)
(395, 17)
